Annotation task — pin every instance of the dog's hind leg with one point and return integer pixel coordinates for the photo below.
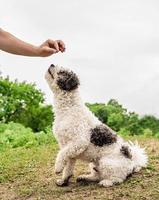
(67, 173)
(71, 151)
(92, 177)
(112, 171)
(106, 183)
(111, 182)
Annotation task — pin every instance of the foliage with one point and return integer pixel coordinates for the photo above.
(99, 110)
(24, 103)
(151, 122)
(124, 122)
(14, 135)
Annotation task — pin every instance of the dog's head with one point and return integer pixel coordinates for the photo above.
(60, 79)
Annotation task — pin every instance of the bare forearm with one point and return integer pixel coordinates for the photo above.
(11, 44)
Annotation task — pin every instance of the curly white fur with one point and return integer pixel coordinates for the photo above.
(72, 125)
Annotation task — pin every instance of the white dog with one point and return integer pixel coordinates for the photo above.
(82, 136)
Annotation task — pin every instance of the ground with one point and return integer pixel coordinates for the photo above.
(28, 174)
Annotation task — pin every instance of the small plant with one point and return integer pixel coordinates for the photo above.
(13, 135)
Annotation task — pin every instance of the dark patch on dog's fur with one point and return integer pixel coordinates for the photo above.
(126, 151)
(101, 136)
(67, 80)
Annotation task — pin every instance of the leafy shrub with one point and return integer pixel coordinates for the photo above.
(13, 135)
(99, 110)
(147, 132)
(124, 132)
(122, 121)
(157, 135)
(150, 122)
(24, 103)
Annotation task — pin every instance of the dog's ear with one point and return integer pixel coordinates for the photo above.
(67, 80)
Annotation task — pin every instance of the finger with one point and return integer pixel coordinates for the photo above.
(61, 45)
(51, 50)
(53, 44)
(62, 49)
(48, 51)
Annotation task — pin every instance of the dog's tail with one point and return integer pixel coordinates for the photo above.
(139, 156)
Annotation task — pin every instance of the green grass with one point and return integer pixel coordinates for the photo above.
(28, 173)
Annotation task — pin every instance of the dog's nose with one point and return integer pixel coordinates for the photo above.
(52, 65)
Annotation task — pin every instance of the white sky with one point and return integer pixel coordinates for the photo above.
(112, 45)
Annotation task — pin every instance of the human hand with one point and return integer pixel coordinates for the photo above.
(50, 47)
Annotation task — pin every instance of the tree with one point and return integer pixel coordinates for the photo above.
(99, 110)
(150, 122)
(117, 115)
(133, 125)
(23, 103)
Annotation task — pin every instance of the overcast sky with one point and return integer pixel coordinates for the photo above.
(112, 45)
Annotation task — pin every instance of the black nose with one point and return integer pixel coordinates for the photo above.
(52, 65)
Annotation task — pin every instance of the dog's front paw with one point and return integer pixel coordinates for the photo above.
(61, 183)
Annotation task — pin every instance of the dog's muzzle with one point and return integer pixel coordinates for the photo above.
(49, 70)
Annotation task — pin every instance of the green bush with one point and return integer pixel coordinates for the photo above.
(99, 110)
(157, 135)
(13, 135)
(122, 121)
(124, 132)
(147, 132)
(23, 103)
(150, 122)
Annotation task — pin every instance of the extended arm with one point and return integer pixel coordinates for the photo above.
(12, 44)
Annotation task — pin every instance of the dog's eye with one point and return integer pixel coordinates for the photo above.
(64, 73)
